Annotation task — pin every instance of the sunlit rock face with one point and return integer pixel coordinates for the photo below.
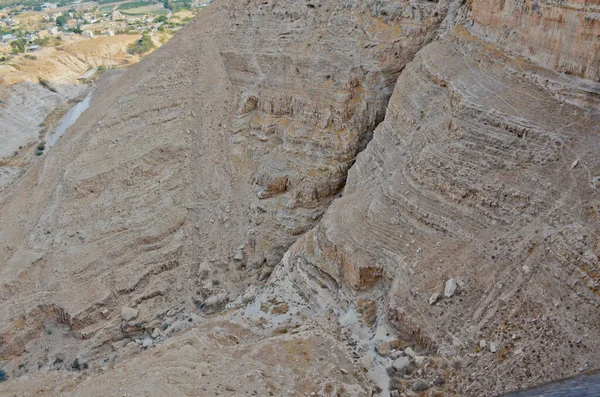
(560, 35)
(483, 171)
(321, 171)
(189, 176)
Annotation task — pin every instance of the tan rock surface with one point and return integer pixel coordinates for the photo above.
(179, 191)
(461, 183)
(561, 35)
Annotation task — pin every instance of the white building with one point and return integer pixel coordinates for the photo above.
(88, 33)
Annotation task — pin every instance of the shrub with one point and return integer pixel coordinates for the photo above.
(2, 376)
(42, 145)
(61, 20)
(141, 46)
(18, 46)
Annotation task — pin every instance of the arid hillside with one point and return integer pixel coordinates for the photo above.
(367, 198)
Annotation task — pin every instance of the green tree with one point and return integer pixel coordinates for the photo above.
(162, 18)
(18, 46)
(141, 46)
(61, 20)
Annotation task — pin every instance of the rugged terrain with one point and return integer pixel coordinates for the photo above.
(338, 198)
(37, 89)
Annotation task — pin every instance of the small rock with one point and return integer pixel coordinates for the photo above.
(420, 386)
(265, 274)
(366, 361)
(383, 348)
(120, 344)
(394, 393)
(147, 343)
(131, 345)
(450, 288)
(156, 333)
(575, 164)
(343, 371)
(402, 365)
(410, 352)
(438, 381)
(420, 360)
(493, 347)
(128, 313)
(239, 256)
(434, 298)
(526, 269)
(215, 302)
(482, 344)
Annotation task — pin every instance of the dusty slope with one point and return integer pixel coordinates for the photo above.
(188, 180)
(151, 197)
(28, 110)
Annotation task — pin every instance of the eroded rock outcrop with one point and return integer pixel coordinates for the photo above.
(191, 175)
(560, 35)
(188, 180)
(472, 175)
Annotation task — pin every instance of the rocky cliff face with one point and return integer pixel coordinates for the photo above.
(560, 35)
(465, 230)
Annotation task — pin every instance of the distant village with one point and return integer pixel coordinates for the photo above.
(88, 24)
(92, 20)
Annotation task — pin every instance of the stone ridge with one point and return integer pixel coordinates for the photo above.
(476, 174)
(186, 181)
(292, 184)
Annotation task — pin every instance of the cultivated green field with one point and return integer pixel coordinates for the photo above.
(154, 9)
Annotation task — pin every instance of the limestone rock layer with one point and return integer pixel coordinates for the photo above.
(284, 174)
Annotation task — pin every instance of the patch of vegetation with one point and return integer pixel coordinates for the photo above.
(29, 56)
(18, 46)
(141, 46)
(61, 20)
(153, 9)
(162, 18)
(3, 376)
(178, 5)
(3, 59)
(135, 4)
(42, 41)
